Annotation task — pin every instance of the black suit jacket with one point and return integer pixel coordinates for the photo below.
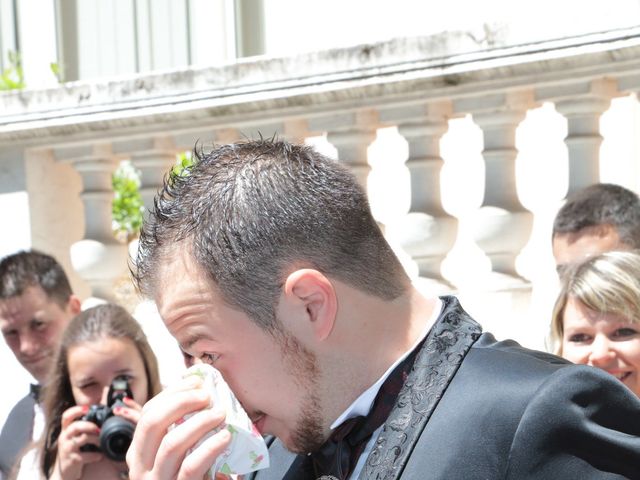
(500, 412)
(16, 433)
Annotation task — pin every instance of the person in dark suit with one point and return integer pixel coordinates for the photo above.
(36, 304)
(265, 261)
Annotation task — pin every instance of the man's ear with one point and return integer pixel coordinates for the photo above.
(74, 305)
(313, 295)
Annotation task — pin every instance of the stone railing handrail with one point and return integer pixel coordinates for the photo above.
(392, 73)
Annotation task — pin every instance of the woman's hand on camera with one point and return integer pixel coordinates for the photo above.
(160, 453)
(75, 434)
(131, 412)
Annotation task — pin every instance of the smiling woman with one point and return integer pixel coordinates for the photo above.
(596, 317)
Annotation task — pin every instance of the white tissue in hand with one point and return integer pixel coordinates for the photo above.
(247, 451)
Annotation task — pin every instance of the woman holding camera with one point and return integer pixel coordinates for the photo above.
(104, 371)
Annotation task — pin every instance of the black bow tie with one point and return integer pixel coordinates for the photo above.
(34, 391)
(339, 455)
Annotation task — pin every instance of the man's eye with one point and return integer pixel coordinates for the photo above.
(209, 358)
(38, 325)
(579, 338)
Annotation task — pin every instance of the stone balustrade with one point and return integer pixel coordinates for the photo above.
(421, 86)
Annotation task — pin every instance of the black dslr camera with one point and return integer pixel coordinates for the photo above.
(116, 432)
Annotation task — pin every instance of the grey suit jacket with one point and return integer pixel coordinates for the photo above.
(499, 411)
(16, 433)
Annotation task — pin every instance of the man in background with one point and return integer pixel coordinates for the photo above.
(595, 219)
(36, 304)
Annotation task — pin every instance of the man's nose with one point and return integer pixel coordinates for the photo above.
(602, 353)
(28, 345)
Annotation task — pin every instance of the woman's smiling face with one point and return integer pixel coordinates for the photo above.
(602, 340)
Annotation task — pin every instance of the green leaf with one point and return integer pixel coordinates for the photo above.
(127, 208)
(12, 77)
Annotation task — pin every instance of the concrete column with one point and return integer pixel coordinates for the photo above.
(56, 210)
(351, 134)
(99, 258)
(295, 130)
(250, 28)
(583, 111)
(502, 226)
(427, 232)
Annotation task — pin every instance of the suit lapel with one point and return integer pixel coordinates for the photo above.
(448, 342)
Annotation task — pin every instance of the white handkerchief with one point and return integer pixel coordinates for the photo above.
(247, 451)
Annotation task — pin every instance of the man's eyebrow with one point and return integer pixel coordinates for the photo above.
(190, 340)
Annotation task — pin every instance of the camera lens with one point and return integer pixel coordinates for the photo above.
(115, 437)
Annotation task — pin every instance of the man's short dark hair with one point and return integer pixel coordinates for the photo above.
(250, 212)
(601, 204)
(25, 269)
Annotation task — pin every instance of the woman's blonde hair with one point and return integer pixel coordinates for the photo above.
(606, 283)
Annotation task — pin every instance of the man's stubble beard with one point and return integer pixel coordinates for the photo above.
(308, 434)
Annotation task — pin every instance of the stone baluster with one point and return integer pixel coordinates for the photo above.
(502, 226)
(227, 135)
(351, 134)
(583, 105)
(427, 232)
(99, 258)
(153, 157)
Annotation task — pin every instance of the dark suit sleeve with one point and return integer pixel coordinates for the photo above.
(16, 433)
(582, 423)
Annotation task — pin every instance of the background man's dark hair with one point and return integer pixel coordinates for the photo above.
(25, 269)
(252, 212)
(601, 204)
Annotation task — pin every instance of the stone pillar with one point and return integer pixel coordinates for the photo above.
(227, 135)
(250, 28)
(427, 232)
(295, 130)
(99, 258)
(351, 134)
(56, 210)
(583, 110)
(502, 226)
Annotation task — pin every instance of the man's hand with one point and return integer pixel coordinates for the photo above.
(159, 454)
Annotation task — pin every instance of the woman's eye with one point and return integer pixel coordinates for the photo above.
(579, 338)
(625, 332)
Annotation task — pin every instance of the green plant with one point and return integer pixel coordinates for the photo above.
(12, 77)
(182, 165)
(57, 71)
(127, 208)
